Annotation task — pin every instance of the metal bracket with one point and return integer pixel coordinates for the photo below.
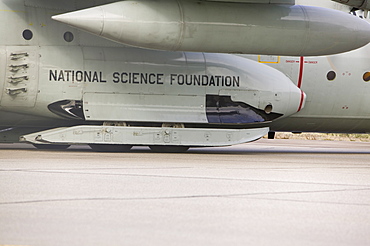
(15, 80)
(15, 91)
(17, 56)
(16, 68)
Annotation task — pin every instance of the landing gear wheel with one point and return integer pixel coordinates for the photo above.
(271, 135)
(168, 149)
(51, 146)
(110, 147)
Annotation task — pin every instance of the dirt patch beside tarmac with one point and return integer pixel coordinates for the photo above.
(324, 136)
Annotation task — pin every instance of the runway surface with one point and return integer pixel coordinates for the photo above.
(270, 192)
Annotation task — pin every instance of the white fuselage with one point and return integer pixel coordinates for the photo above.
(337, 89)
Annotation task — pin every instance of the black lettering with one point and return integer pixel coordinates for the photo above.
(189, 81)
(228, 81)
(101, 78)
(135, 78)
(79, 76)
(152, 78)
(180, 79)
(61, 76)
(115, 77)
(236, 81)
(218, 80)
(67, 73)
(122, 77)
(53, 75)
(172, 78)
(197, 80)
(144, 78)
(95, 77)
(87, 76)
(212, 81)
(160, 79)
(204, 80)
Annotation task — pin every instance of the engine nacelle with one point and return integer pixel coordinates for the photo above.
(135, 85)
(218, 27)
(191, 88)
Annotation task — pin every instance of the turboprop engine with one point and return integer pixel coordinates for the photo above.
(219, 27)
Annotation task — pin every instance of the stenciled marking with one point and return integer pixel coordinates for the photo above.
(138, 78)
(76, 76)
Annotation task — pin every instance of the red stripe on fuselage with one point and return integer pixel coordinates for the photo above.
(300, 78)
(301, 102)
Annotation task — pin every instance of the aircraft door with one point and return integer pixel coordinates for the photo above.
(21, 76)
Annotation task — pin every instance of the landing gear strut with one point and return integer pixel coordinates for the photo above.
(271, 135)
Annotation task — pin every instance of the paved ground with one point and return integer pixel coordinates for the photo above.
(271, 192)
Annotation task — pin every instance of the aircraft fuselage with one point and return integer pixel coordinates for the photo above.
(53, 75)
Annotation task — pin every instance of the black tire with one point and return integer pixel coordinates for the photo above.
(271, 135)
(110, 147)
(51, 146)
(168, 149)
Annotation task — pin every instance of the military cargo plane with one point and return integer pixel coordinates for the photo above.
(174, 74)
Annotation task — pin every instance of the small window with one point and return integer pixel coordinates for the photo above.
(366, 77)
(68, 37)
(331, 75)
(27, 34)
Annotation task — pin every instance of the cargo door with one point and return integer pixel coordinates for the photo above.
(21, 77)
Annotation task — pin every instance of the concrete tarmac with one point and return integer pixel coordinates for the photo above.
(270, 192)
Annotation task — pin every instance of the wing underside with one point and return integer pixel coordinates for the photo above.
(257, 1)
(360, 4)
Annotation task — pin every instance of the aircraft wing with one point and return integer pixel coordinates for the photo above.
(266, 27)
(360, 4)
(257, 1)
(241, 1)
(82, 4)
(90, 3)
